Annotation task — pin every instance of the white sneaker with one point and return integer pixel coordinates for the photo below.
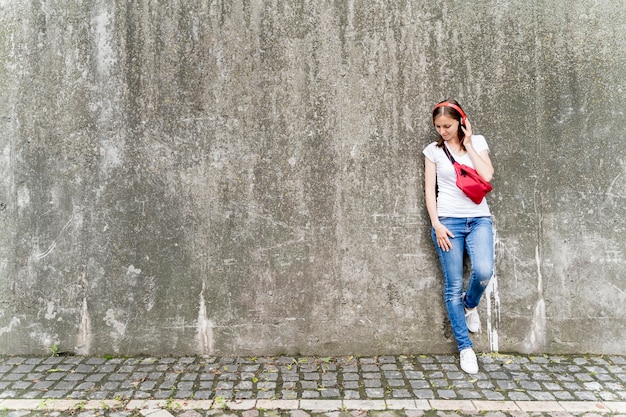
(472, 320)
(469, 363)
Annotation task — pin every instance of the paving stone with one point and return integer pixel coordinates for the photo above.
(438, 383)
(23, 369)
(148, 386)
(584, 377)
(142, 394)
(530, 385)
(290, 385)
(329, 383)
(269, 376)
(289, 395)
(424, 394)
(243, 385)
(74, 377)
(512, 366)
(5, 368)
(485, 384)
(493, 395)
(446, 394)
(55, 394)
(414, 374)
(392, 374)
(8, 394)
(604, 377)
(98, 395)
(518, 396)
(533, 367)
(330, 393)
(225, 385)
(420, 384)
(43, 385)
(541, 395)
(551, 386)
(372, 383)
(469, 394)
(310, 394)
(541, 376)
(375, 392)
(110, 386)
(456, 375)
(572, 386)
(592, 386)
(400, 393)
(351, 395)
(614, 386)
(585, 395)
(65, 385)
(609, 396)
(351, 385)
(241, 395)
(493, 367)
(308, 368)
(506, 384)
(266, 385)
(520, 376)
(563, 395)
(21, 385)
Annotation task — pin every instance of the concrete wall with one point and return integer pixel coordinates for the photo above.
(245, 177)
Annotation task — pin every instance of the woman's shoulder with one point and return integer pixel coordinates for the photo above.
(479, 142)
(431, 145)
(431, 151)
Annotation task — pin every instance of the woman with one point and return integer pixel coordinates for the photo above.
(458, 224)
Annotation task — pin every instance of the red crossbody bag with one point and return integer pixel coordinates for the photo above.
(468, 180)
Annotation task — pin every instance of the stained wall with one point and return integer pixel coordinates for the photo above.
(245, 177)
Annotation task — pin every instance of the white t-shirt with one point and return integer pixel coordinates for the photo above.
(451, 201)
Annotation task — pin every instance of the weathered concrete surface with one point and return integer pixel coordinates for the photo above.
(228, 177)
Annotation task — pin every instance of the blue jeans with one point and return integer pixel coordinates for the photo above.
(474, 235)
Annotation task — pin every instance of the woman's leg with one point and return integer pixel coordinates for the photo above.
(452, 267)
(479, 244)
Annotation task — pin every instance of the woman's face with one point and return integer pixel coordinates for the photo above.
(447, 127)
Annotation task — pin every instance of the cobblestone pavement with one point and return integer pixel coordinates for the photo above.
(383, 386)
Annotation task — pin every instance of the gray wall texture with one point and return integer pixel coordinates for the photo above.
(245, 177)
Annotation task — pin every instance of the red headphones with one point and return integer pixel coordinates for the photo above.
(455, 107)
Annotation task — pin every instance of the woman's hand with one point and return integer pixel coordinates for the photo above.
(443, 236)
(467, 130)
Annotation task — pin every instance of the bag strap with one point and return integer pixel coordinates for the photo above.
(448, 154)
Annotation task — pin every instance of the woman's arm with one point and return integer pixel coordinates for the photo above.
(481, 161)
(430, 193)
